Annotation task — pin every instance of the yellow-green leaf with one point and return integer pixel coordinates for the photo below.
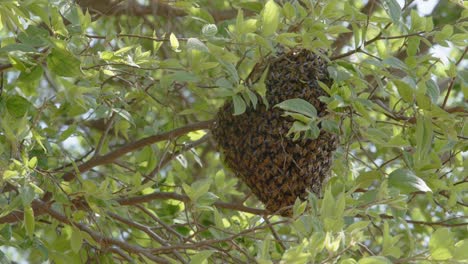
(375, 260)
(405, 90)
(239, 105)
(270, 18)
(17, 105)
(300, 106)
(63, 63)
(407, 182)
(174, 42)
(32, 162)
(29, 222)
(440, 243)
(76, 240)
(201, 257)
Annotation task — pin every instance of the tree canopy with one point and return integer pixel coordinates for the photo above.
(106, 154)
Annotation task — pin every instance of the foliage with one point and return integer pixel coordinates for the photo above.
(105, 149)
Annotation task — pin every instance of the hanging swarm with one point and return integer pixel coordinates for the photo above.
(255, 146)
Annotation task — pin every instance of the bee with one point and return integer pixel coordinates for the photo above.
(255, 146)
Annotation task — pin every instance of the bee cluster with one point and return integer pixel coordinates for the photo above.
(255, 144)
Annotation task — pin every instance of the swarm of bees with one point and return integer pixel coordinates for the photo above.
(255, 144)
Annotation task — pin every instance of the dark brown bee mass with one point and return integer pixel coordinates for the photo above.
(255, 146)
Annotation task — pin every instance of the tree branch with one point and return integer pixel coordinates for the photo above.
(186, 199)
(155, 8)
(343, 38)
(438, 223)
(110, 157)
(452, 82)
(146, 230)
(132, 7)
(5, 66)
(209, 242)
(99, 238)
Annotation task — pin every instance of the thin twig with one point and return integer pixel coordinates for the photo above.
(99, 238)
(159, 221)
(186, 199)
(452, 81)
(109, 124)
(146, 230)
(209, 242)
(170, 157)
(275, 234)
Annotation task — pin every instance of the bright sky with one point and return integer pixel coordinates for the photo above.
(425, 7)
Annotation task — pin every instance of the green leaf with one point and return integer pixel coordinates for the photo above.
(389, 244)
(68, 132)
(17, 47)
(460, 252)
(296, 129)
(124, 114)
(9, 174)
(27, 195)
(239, 21)
(253, 98)
(32, 162)
(407, 182)
(29, 222)
(288, 10)
(443, 35)
(357, 34)
(239, 105)
(330, 126)
(339, 74)
(300, 106)
(440, 244)
(375, 260)
(365, 179)
(393, 9)
(6, 233)
(299, 117)
(197, 190)
(34, 36)
(209, 30)
(433, 90)
(314, 130)
(29, 80)
(76, 240)
(63, 63)
(424, 133)
(395, 63)
(357, 226)
(296, 254)
(348, 261)
(405, 90)
(231, 70)
(423, 101)
(337, 29)
(207, 199)
(17, 105)
(196, 44)
(331, 243)
(331, 211)
(459, 39)
(201, 257)
(270, 18)
(299, 207)
(124, 50)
